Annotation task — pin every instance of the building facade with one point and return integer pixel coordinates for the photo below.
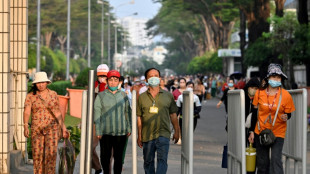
(137, 31)
(13, 78)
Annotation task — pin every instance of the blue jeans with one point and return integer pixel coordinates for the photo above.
(161, 145)
(264, 164)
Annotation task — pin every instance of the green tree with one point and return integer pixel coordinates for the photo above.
(282, 40)
(208, 63)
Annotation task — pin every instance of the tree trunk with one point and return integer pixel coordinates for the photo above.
(302, 15)
(308, 72)
(302, 12)
(83, 50)
(209, 42)
(279, 7)
(242, 35)
(62, 41)
(257, 20)
(48, 37)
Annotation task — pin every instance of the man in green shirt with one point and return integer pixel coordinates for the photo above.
(113, 122)
(156, 108)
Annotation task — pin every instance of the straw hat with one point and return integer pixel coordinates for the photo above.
(40, 77)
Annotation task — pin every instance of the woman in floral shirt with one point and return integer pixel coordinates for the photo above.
(40, 103)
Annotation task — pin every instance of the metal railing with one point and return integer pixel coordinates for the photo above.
(236, 136)
(134, 131)
(87, 126)
(187, 133)
(295, 144)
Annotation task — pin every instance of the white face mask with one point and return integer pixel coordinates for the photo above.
(189, 89)
(101, 79)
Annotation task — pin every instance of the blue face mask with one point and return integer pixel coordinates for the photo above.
(113, 88)
(274, 83)
(230, 84)
(153, 81)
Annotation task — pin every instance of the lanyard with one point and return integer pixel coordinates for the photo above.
(151, 98)
(270, 107)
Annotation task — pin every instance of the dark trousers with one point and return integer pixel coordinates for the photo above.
(107, 142)
(180, 124)
(95, 162)
(265, 164)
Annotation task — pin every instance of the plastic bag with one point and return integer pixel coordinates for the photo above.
(67, 158)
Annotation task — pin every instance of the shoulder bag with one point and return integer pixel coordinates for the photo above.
(266, 137)
(51, 112)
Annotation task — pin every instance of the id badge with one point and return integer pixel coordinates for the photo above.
(153, 110)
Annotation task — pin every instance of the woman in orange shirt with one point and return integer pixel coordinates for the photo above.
(266, 100)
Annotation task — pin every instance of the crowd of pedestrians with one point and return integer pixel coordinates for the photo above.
(159, 105)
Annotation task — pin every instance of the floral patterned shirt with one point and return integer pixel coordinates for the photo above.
(40, 116)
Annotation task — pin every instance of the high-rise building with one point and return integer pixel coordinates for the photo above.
(136, 28)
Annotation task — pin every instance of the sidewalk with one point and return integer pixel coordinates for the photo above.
(209, 139)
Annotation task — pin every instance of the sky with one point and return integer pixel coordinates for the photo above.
(145, 8)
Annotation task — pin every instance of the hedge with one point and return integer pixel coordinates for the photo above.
(58, 86)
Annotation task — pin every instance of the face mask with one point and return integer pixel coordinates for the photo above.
(189, 89)
(176, 83)
(154, 81)
(146, 84)
(137, 83)
(251, 92)
(230, 84)
(101, 79)
(274, 83)
(113, 88)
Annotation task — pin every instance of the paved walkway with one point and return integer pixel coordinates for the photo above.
(209, 138)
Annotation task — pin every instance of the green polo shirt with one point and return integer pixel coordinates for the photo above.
(112, 113)
(155, 125)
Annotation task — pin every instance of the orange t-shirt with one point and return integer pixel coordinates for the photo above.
(287, 106)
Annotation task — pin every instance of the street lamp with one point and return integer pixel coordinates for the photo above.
(89, 30)
(109, 42)
(38, 36)
(68, 40)
(102, 29)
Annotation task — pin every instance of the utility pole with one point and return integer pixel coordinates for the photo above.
(38, 67)
(109, 42)
(89, 29)
(102, 32)
(68, 40)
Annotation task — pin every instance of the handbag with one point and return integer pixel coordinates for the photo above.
(51, 112)
(266, 137)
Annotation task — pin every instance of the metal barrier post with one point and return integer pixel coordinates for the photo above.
(134, 132)
(295, 144)
(83, 132)
(187, 132)
(90, 120)
(236, 132)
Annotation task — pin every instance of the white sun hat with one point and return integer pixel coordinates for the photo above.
(102, 69)
(40, 77)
